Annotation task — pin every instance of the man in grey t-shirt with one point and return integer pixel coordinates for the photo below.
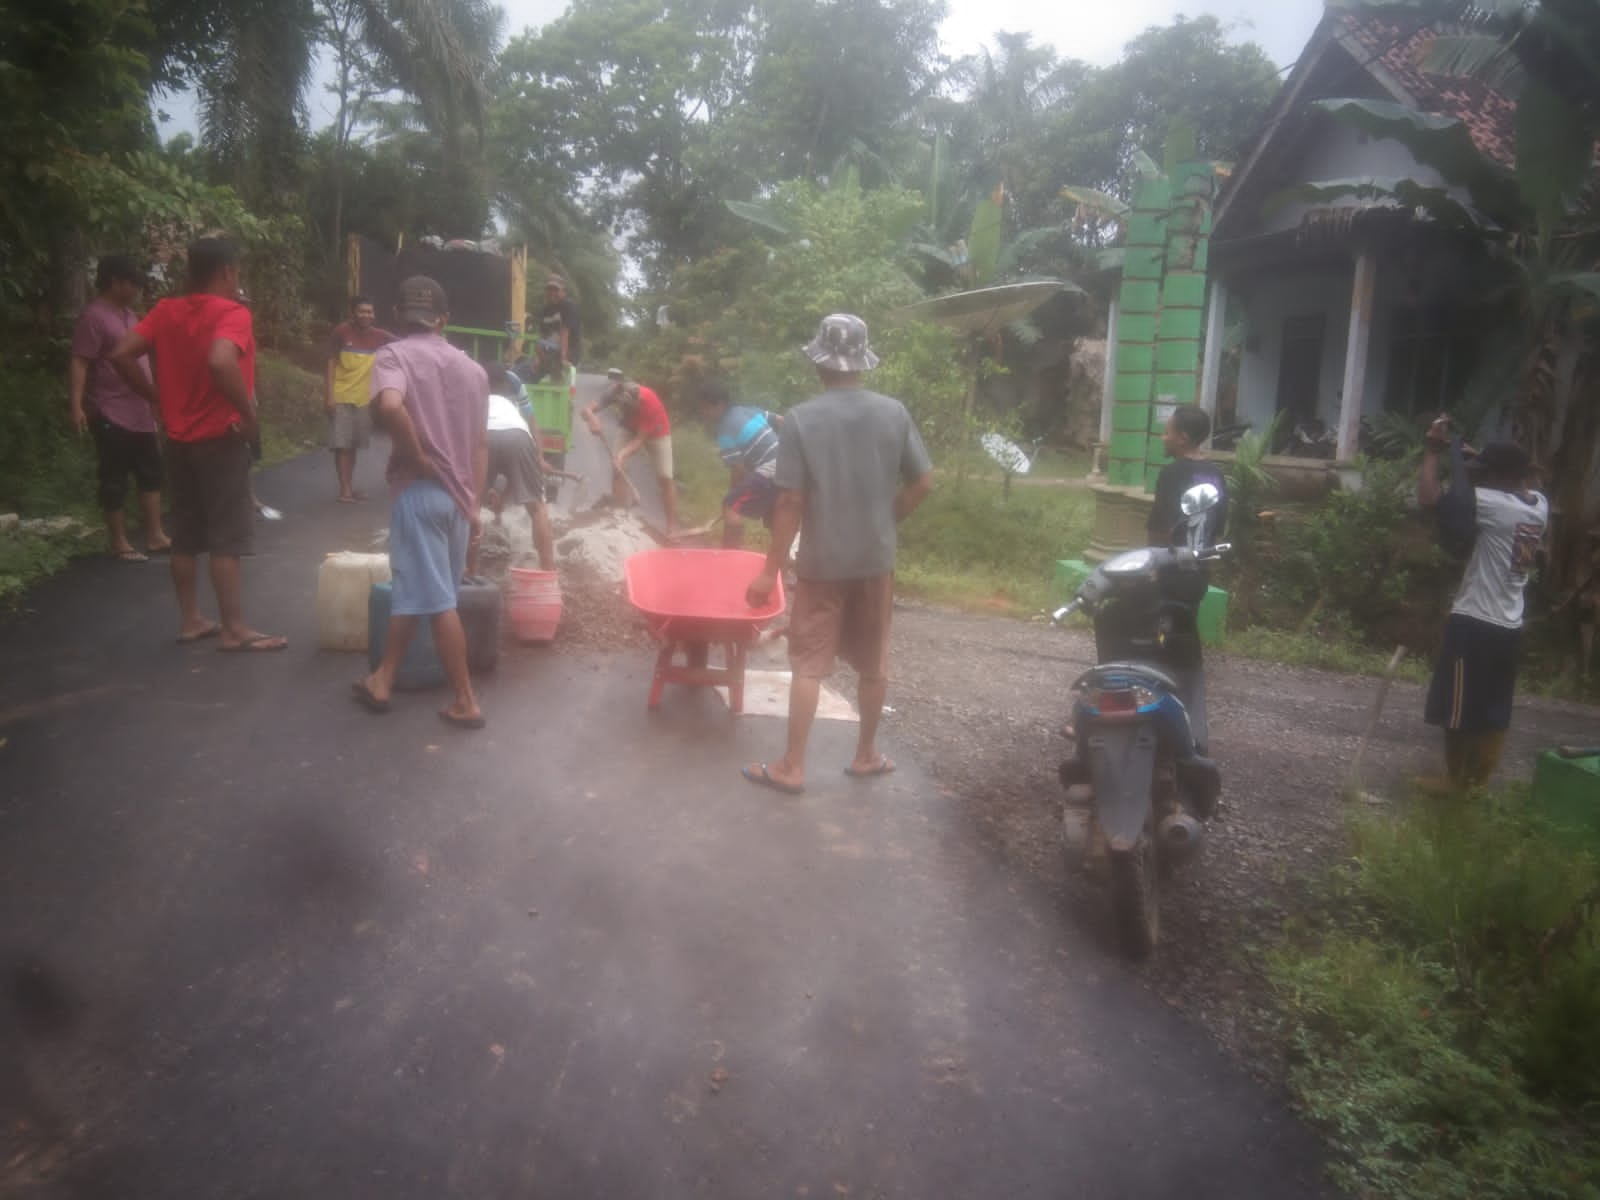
(851, 465)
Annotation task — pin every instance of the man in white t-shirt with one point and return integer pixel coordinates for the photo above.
(1493, 510)
(514, 457)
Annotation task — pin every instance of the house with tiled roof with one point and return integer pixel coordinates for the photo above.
(1348, 308)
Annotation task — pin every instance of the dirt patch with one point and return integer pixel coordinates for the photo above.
(982, 701)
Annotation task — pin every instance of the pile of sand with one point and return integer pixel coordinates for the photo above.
(603, 541)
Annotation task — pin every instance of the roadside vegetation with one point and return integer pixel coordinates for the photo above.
(1441, 1002)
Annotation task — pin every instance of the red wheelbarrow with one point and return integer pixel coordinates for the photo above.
(694, 599)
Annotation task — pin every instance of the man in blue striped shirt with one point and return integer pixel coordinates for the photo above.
(747, 440)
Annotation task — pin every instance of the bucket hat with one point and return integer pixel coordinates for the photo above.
(841, 344)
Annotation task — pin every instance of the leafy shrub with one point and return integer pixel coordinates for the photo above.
(745, 311)
(45, 469)
(1443, 1025)
(290, 401)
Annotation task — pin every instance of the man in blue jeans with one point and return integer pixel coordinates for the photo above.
(434, 401)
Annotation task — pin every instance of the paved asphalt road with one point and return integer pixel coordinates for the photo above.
(257, 943)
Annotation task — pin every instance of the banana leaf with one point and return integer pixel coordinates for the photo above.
(984, 311)
(759, 214)
(1102, 203)
(1400, 191)
(1442, 143)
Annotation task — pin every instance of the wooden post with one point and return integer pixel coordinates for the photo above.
(519, 298)
(352, 265)
(1216, 330)
(1362, 288)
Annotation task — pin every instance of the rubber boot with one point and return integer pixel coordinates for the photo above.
(1456, 759)
(1484, 755)
(1457, 756)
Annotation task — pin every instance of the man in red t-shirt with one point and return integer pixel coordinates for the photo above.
(644, 417)
(204, 348)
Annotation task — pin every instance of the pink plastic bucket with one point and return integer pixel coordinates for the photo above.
(533, 603)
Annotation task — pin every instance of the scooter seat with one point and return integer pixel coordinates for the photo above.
(1142, 671)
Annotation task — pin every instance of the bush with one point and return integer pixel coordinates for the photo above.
(1443, 1024)
(290, 401)
(45, 469)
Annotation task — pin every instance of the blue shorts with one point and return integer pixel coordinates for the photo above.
(427, 550)
(753, 496)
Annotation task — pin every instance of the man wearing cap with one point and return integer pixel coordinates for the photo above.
(559, 321)
(121, 421)
(644, 418)
(1490, 508)
(851, 465)
(434, 400)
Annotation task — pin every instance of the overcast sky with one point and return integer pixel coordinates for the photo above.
(1093, 30)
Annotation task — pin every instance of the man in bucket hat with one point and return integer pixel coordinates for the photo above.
(851, 465)
(1491, 509)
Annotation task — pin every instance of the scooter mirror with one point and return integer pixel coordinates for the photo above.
(1202, 497)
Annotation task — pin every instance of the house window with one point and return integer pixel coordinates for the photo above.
(1300, 366)
(1431, 358)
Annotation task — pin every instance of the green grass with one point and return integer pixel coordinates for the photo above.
(971, 546)
(1320, 650)
(1441, 1001)
(289, 400)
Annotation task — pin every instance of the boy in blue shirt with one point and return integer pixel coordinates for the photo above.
(747, 440)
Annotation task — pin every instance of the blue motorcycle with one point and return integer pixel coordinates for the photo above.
(1140, 785)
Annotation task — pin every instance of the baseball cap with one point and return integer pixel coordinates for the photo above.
(614, 374)
(422, 300)
(841, 344)
(556, 281)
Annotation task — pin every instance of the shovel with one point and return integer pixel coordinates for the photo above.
(684, 535)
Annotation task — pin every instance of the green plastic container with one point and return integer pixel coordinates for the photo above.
(552, 411)
(1567, 791)
(1212, 617)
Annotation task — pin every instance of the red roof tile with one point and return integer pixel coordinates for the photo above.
(1397, 46)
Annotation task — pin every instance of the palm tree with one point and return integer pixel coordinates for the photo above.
(252, 87)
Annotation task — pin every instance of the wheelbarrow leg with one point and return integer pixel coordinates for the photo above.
(736, 677)
(663, 664)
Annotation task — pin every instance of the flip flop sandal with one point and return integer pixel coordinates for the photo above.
(362, 695)
(255, 645)
(460, 722)
(883, 767)
(155, 550)
(763, 778)
(131, 556)
(210, 631)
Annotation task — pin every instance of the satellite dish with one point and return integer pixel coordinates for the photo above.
(1012, 458)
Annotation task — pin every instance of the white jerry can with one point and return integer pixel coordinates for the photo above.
(344, 582)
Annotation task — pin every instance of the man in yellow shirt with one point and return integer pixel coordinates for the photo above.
(348, 383)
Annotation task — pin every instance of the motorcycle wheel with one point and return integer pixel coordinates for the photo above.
(1135, 898)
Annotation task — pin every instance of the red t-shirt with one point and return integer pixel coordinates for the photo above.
(180, 331)
(651, 419)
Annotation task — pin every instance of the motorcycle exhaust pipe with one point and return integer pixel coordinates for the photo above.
(1180, 834)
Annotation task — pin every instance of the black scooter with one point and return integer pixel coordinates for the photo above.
(1140, 785)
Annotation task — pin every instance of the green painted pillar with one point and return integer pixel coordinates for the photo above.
(1139, 303)
(1180, 315)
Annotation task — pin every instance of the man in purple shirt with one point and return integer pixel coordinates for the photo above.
(434, 400)
(121, 421)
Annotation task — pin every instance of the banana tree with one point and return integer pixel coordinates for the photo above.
(1542, 243)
